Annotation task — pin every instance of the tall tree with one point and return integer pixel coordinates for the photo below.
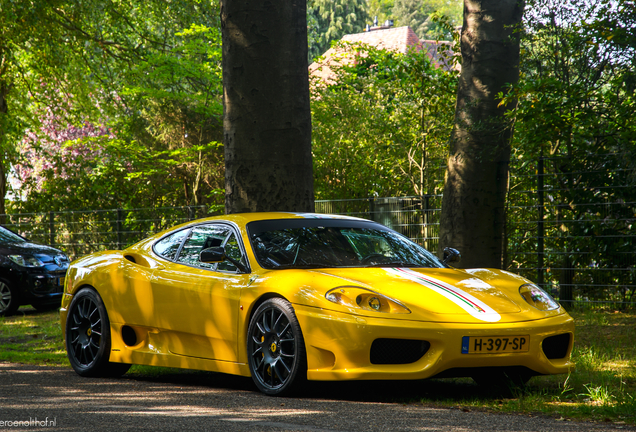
(334, 19)
(267, 118)
(422, 17)
(575, 135)
(473, 208)
(381, 127)
(23, 24)
(381, 9)
(149, 73)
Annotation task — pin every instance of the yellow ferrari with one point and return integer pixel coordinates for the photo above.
(285, 297)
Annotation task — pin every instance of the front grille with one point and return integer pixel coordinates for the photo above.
(398, 351)
(556, 347)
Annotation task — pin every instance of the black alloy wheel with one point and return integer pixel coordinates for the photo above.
(9, 302)
(276, 349)
(88, 337)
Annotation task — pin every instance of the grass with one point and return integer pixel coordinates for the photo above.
(32, 337)
(603, 387)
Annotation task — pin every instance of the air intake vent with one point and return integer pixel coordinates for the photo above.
(130, 258)
(556, 347)
(398, 351)
(129, 336)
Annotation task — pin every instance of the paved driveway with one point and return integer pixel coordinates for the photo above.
(60, 400)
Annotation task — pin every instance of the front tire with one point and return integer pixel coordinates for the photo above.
(88, 337)
(9, 301)
(276, 348)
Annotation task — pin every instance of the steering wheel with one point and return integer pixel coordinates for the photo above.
(372, 257)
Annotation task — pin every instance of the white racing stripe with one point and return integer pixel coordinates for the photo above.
(469, 303)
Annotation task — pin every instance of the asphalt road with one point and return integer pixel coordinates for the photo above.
(200, 401)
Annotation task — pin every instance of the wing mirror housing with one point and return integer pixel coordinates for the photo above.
(212, 255)
(217, 255)
(451, 256)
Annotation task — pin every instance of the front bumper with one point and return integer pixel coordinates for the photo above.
(45, 288)
(339, 345)
(39, 286)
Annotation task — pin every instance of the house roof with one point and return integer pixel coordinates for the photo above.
(400, 39)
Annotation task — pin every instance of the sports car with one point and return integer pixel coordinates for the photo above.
(286, 297)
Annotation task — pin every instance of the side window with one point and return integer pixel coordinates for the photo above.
(233, 250)
(168, 247)
(200, 238)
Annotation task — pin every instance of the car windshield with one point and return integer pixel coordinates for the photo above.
(332, 243)
(7, 236)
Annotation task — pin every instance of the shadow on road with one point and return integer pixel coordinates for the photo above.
(356, 391)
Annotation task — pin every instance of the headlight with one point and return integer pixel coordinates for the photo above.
(537, 297)
(26, 261)
(362, 298)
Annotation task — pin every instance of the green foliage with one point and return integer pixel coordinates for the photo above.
(105, 173)
(382, 9)
(381, 127)
(150, 74)
(421, 16)
(24, 24)
(576, 109)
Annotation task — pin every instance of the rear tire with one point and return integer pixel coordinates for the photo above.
(88, 337)
(9, 299)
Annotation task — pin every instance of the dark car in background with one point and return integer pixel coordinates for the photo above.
(30, 273)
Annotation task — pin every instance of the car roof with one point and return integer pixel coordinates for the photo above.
(244, 218)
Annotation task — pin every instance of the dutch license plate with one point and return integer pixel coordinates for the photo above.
(495, 344)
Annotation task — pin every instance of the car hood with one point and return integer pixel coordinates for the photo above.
(439, 294)
(42, 252)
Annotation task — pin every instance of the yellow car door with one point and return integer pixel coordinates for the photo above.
(197, 303)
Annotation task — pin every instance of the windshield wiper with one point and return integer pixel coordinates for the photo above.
(301, 266)
(394, 264)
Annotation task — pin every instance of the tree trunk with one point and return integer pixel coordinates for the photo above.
(473, 207)
(267, 118)
(4, 169)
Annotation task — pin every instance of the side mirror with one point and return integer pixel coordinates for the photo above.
(451, 256)
(212, 255)
(217, 255)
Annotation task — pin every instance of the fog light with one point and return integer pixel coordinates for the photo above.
(374, 303)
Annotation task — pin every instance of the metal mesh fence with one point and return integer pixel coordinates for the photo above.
(571, 227)
(82, 232)
(415, 217)
(571, 231)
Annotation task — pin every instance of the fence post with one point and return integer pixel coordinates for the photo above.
(424, 203)
(191, 213)
(371, 208)
(51, 229)
(120, 242)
